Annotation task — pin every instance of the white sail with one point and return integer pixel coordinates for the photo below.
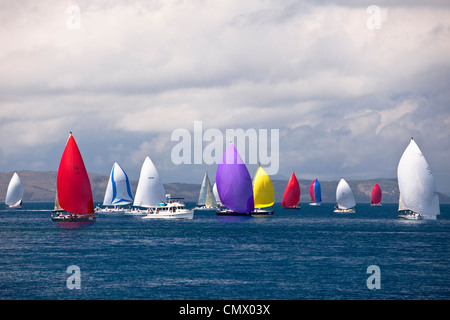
(344, 195)
(202, 196)
(206, 196)
(216, 195)
(150, 190)
(416, 183)
(401, 205)
(118, 190)
(14, 194)
(210, 198)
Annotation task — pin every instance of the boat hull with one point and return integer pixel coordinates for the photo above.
(109, 211)
(260, 212)
(232, 213)
(292, 208)
(19, 206)
(245, 214)
(205, 209)
(73, 217)
(180, 214)
(343, 211)
(138, 213)
(410, 216)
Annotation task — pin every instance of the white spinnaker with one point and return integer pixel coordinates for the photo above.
(344, 195)
(150, 190)
(118, 190)
(14, 194)
(416, 183)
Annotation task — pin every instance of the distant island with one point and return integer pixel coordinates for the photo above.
(41, 186)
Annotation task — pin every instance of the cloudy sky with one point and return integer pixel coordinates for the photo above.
(346, 85)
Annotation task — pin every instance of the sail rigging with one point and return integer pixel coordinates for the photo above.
(206, 196)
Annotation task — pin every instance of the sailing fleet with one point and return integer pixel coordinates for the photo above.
(233, 193)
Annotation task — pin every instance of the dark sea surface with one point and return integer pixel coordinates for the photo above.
(310, 253)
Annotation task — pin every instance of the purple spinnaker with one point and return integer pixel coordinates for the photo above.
(234, 183)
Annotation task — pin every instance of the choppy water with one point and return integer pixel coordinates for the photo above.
(310, 253)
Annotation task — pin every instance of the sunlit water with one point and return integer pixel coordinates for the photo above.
(310, 253)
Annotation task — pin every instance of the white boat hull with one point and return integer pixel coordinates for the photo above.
(205, 209)
(265, 212)
(72, 217)
(109, 211)
(138, 213)
(344, 210)
(17, 206)
(179, 214)
(410, 216)
(315, 204)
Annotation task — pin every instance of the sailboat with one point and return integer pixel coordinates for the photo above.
(291, 196)
(150, 194)
(118, 191)
(315, 193)
(263, 193)
(14, 194)
(73, 186)
(150, 190)
(206, 199)
(375, 197)
(344, 198)
(418, 194)
(234, 185)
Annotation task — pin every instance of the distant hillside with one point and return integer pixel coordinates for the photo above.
(41, 186)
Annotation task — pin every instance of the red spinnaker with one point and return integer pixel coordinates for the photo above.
(312, 192)
(376, 194)
(72, 183)
(291, 196)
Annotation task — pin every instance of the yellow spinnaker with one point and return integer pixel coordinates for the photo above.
(263, 192)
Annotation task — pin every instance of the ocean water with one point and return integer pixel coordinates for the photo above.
(310, 253)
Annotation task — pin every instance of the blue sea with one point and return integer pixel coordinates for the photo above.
(311, 253)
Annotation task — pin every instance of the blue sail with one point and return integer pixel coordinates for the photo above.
(317, 191)
(118, 191)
